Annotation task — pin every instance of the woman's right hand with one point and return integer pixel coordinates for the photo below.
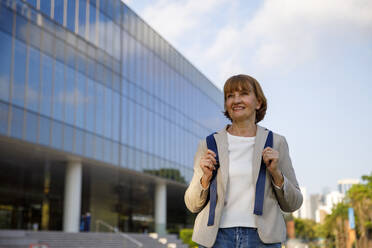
(207, 163)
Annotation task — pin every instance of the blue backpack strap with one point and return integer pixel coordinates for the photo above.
(260, 185)
(211, 144)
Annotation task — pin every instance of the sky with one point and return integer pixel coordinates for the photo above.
(313, 59)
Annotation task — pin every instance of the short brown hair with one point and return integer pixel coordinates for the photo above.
(245, 82)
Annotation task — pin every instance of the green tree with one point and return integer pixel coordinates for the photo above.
(306, 229)
(360, 198)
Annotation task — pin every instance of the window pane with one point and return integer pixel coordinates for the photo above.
(45, 7)
(108, 113)
(101, 30)
(44, 131)
(123, 156)
(32, 2)
(124, 120)
(79, 142)
(107, 150)
(58, 92)
(32, 97)
(90, 105)
(89, 145)
(31, 127)
(5, 58)
(48, 44)
(69, 95)
(19, 74)
(115, 153)
(21, 28)
(71, 15)
(99, 148)
(68, 135)
(116, 116)
(80, 99)
(46, 85)
(3, 119)
(92, 23)
(58, 11)
(82, 17)
(35, 35)
(57, 135)
(6, 19)
(100, 108)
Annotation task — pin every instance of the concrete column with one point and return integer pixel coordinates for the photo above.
(72, 201)
(161, 208)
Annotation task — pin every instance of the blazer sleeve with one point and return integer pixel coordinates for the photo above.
(196, 195)
(289, 196)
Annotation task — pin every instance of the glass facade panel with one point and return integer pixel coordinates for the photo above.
(79, 142)
(58, 93)
(45, 7)
(32, 2)
(115, 153)
(58, 11)
(31, 127)
(107, 151)
(82, 17)
(33, 85)
(100, 108)
(35, 35)
(46, 85)
(90, 106)
(89, 145)
(16, 130)
(68, 138)
(57, 135)
(18, 92)
(44, 131)
(108, 113)
(69, 98)
(99, 148)
(92, 23)
(71, 15)
(21, 28)
(80, 97)
(6, 19)
(3, 118)
(5, 61)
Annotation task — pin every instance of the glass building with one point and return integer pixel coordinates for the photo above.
(98, 114)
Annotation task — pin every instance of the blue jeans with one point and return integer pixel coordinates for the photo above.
(240, 237)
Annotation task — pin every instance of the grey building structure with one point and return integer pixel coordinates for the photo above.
(98, 114)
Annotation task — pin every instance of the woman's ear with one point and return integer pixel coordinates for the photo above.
(259, 103)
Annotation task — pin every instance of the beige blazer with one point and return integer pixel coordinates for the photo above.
(270, 226)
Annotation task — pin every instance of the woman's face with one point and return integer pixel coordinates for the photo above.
(242, 105)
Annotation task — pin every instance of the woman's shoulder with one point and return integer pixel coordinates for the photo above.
(278, 138)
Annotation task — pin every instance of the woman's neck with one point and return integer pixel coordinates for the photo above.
(243, 129)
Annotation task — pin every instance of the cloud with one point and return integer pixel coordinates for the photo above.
(176, 19)
(287, 33)
(280, 34)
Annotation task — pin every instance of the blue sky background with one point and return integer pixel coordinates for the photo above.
(312, 58)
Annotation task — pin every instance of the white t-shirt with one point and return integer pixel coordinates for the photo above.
(239, 200)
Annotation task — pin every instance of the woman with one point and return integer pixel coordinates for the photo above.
(228, 215)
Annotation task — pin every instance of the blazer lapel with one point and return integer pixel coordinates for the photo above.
(223, 155)
(261, 137)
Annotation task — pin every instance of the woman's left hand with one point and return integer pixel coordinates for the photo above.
(271, 158)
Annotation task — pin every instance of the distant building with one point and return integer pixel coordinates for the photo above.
(345, 184)
(315, 202)
(304, 211)
(331, 199)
